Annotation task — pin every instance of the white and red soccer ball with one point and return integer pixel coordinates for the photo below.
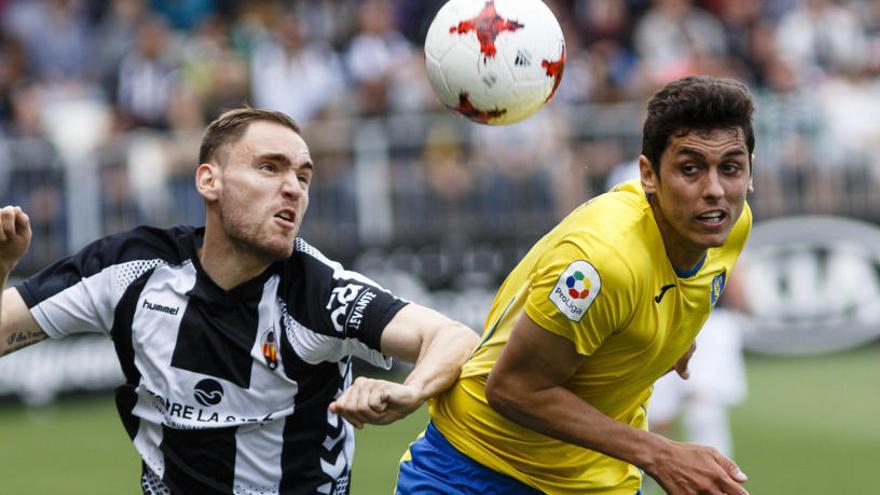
(495, 61)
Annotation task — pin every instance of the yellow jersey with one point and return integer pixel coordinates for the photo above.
(602, 280)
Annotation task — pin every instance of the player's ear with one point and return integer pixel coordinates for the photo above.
(208, 181)
(647, 175)
(751, 187)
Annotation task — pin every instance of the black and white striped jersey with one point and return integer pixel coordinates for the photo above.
(226, 391)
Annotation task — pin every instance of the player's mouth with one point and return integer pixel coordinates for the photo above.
(286, 218)
(712, 218)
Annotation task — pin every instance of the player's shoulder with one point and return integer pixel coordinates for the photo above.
(303, 250)
(171, 244)
(614, 225)
(617, 212)
(308, 264)
(307, 261)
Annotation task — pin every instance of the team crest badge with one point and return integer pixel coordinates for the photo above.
(717, 287)
(270, 350)
(576, 289)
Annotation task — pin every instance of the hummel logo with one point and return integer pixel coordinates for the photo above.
(659, 297)
(158, 307)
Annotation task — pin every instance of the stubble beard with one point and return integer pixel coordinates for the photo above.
(248, 238)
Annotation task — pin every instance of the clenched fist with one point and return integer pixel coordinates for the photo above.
(378, 402)
(15, 237)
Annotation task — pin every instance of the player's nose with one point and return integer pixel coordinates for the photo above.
(291, 187)
(712, 186)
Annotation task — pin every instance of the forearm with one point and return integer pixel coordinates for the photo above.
(558, 413)
(440, 359)
(4, 277)
(18, 329)
(7, 336)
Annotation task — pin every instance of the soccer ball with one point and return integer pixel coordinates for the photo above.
(495, 61)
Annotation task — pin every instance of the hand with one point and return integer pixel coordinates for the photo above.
(681, 366)
(378, 402)
(15, 237)
(687, 469)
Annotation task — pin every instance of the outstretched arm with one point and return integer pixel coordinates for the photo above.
(436, 344)
(526, 386)
(18, 328)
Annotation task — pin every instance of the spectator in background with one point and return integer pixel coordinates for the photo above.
(212, 71)
(294, 72)
(14, 71)
(113, 36)
(765, 64)
(37, 175)
(869, 12)
(514, 178)
(437, 194)
(148, 76)
(675, 38)
(184, 14)
(333, 210)
(600, 65)
(379, 59)
(179, 149)
(54, 33)
(819, 38)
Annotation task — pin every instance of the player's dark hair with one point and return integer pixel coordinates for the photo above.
(232, 124)
(696, 103)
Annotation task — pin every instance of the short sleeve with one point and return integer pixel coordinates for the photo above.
(78, 294)
(345, 311)
(578, 295)
(358, 308)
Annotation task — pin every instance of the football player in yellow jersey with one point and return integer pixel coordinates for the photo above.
(554, 399)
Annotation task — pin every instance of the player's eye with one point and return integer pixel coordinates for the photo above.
(689, 169)
(268, 167)
(731, 168)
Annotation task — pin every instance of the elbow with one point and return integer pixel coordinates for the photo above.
(460, 338)
(503, 396)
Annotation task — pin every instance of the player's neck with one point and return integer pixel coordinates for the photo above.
(682, 254)
(226, 264)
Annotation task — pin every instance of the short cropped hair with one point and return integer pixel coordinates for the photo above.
(231, 126)
(696, 103)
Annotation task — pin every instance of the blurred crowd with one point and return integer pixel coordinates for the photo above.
(104, 101)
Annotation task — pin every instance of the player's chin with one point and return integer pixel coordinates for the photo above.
(712, 240)
(278, 247)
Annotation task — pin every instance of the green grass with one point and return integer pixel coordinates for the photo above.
(72, 448)
(809, 426)
(79, 447)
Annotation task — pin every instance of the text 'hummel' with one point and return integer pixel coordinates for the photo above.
(159, 307)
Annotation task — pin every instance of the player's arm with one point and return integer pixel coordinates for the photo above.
(436, 344)
(18, 328)
(526, 386)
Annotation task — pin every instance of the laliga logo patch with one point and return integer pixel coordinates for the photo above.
(576, 289)
(270, 350)
(717, 287)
